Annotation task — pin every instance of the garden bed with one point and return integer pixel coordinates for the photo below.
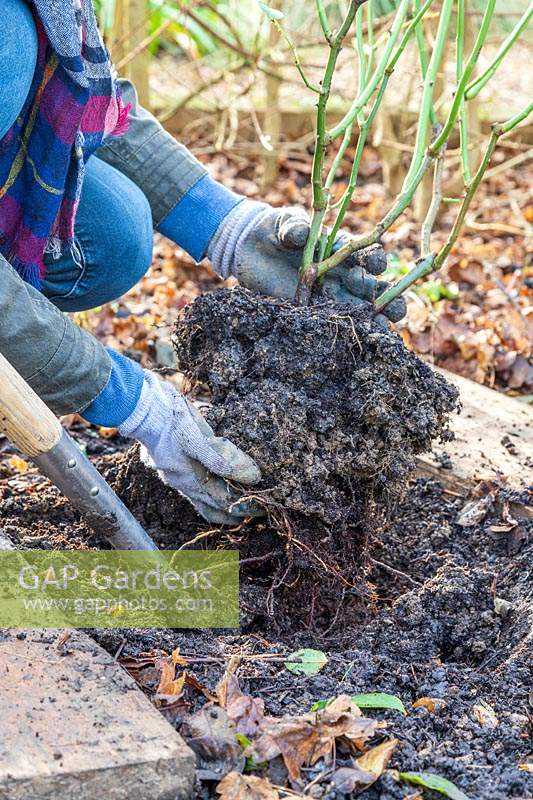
(432, 624)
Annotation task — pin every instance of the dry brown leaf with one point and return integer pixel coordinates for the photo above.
(376, 759)
(485, 715)
(348, 780)
(245, 712)
(307, 738)
(18, 464)
(168, 684)
(211, 735)
(365, 770)
(431, 703)
(246, 787)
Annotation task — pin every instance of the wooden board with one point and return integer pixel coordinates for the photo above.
(493, 439)
(75, 726)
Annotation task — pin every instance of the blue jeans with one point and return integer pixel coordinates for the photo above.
(113, 229)
(112, 247)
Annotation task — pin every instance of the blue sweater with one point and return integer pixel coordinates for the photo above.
(192, 223)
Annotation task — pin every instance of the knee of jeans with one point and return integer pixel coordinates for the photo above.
(137, 238)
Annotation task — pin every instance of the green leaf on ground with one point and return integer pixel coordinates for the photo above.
(436, 783)
(271, 13)
(370, 700)
(306, 661)
(379, 700)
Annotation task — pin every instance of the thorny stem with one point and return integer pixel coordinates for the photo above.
(320, 195)
(370, 34)
(427, 93)
(424, 58)
(473, 88)
(365, 125)
(463, 120)
(372, 84)
(433, 210)
(323, 17)
(465, 77)
(350, 189)
(402, 201)
(431, 262)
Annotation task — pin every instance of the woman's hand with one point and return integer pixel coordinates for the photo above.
(179, 444)
(262, 247)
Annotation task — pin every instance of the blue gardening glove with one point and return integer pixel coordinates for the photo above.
(262, 247)
(178, 443)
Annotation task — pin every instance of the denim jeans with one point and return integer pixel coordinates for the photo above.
(112, 247)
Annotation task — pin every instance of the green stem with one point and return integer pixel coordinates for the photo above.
(424, 58)
(370, 34)
(347, 138)
(433, 210)
(402, 201)
(467, 72)
(473, 88)
(371, 86)
(320, 195)
(296, 57)
(427, 93)
(424, 266)
(350, 189)
(414, 25)
(431, 262)
(517, 119)
(463, 120)
(323, 17)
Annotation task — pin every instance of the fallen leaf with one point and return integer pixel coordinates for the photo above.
(303, 740)
(348, 780)
(18, 464)
(526, 766)
(211, 735)
(369, 700)
(376, 759)
(306, 661)
(436, 783)
(485, 715)
(244, 711)
(168, 684)
(474, 512)
(379, 700)
(431, 703)
(246, 787)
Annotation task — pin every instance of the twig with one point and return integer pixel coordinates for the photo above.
(394, 571)
(146, 42)
(436, 199)
(465, 77)
(431, 263)
(463, 119)
(473, 89)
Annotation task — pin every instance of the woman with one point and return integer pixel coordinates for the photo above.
(86, 175)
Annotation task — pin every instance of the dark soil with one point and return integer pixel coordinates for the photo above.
(432, 623)
(432, 631)
(333, 408)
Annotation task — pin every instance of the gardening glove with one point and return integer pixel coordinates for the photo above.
(177, 442)
(262, 247)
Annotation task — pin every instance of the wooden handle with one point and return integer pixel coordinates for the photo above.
(26, 421)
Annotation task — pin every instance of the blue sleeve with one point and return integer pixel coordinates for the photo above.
(193, 221)
(117, 400)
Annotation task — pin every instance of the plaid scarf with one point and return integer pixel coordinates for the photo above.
(73, 104)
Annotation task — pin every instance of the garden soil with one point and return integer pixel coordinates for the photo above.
(433, 609)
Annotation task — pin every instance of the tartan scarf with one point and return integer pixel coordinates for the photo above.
(73, 105)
